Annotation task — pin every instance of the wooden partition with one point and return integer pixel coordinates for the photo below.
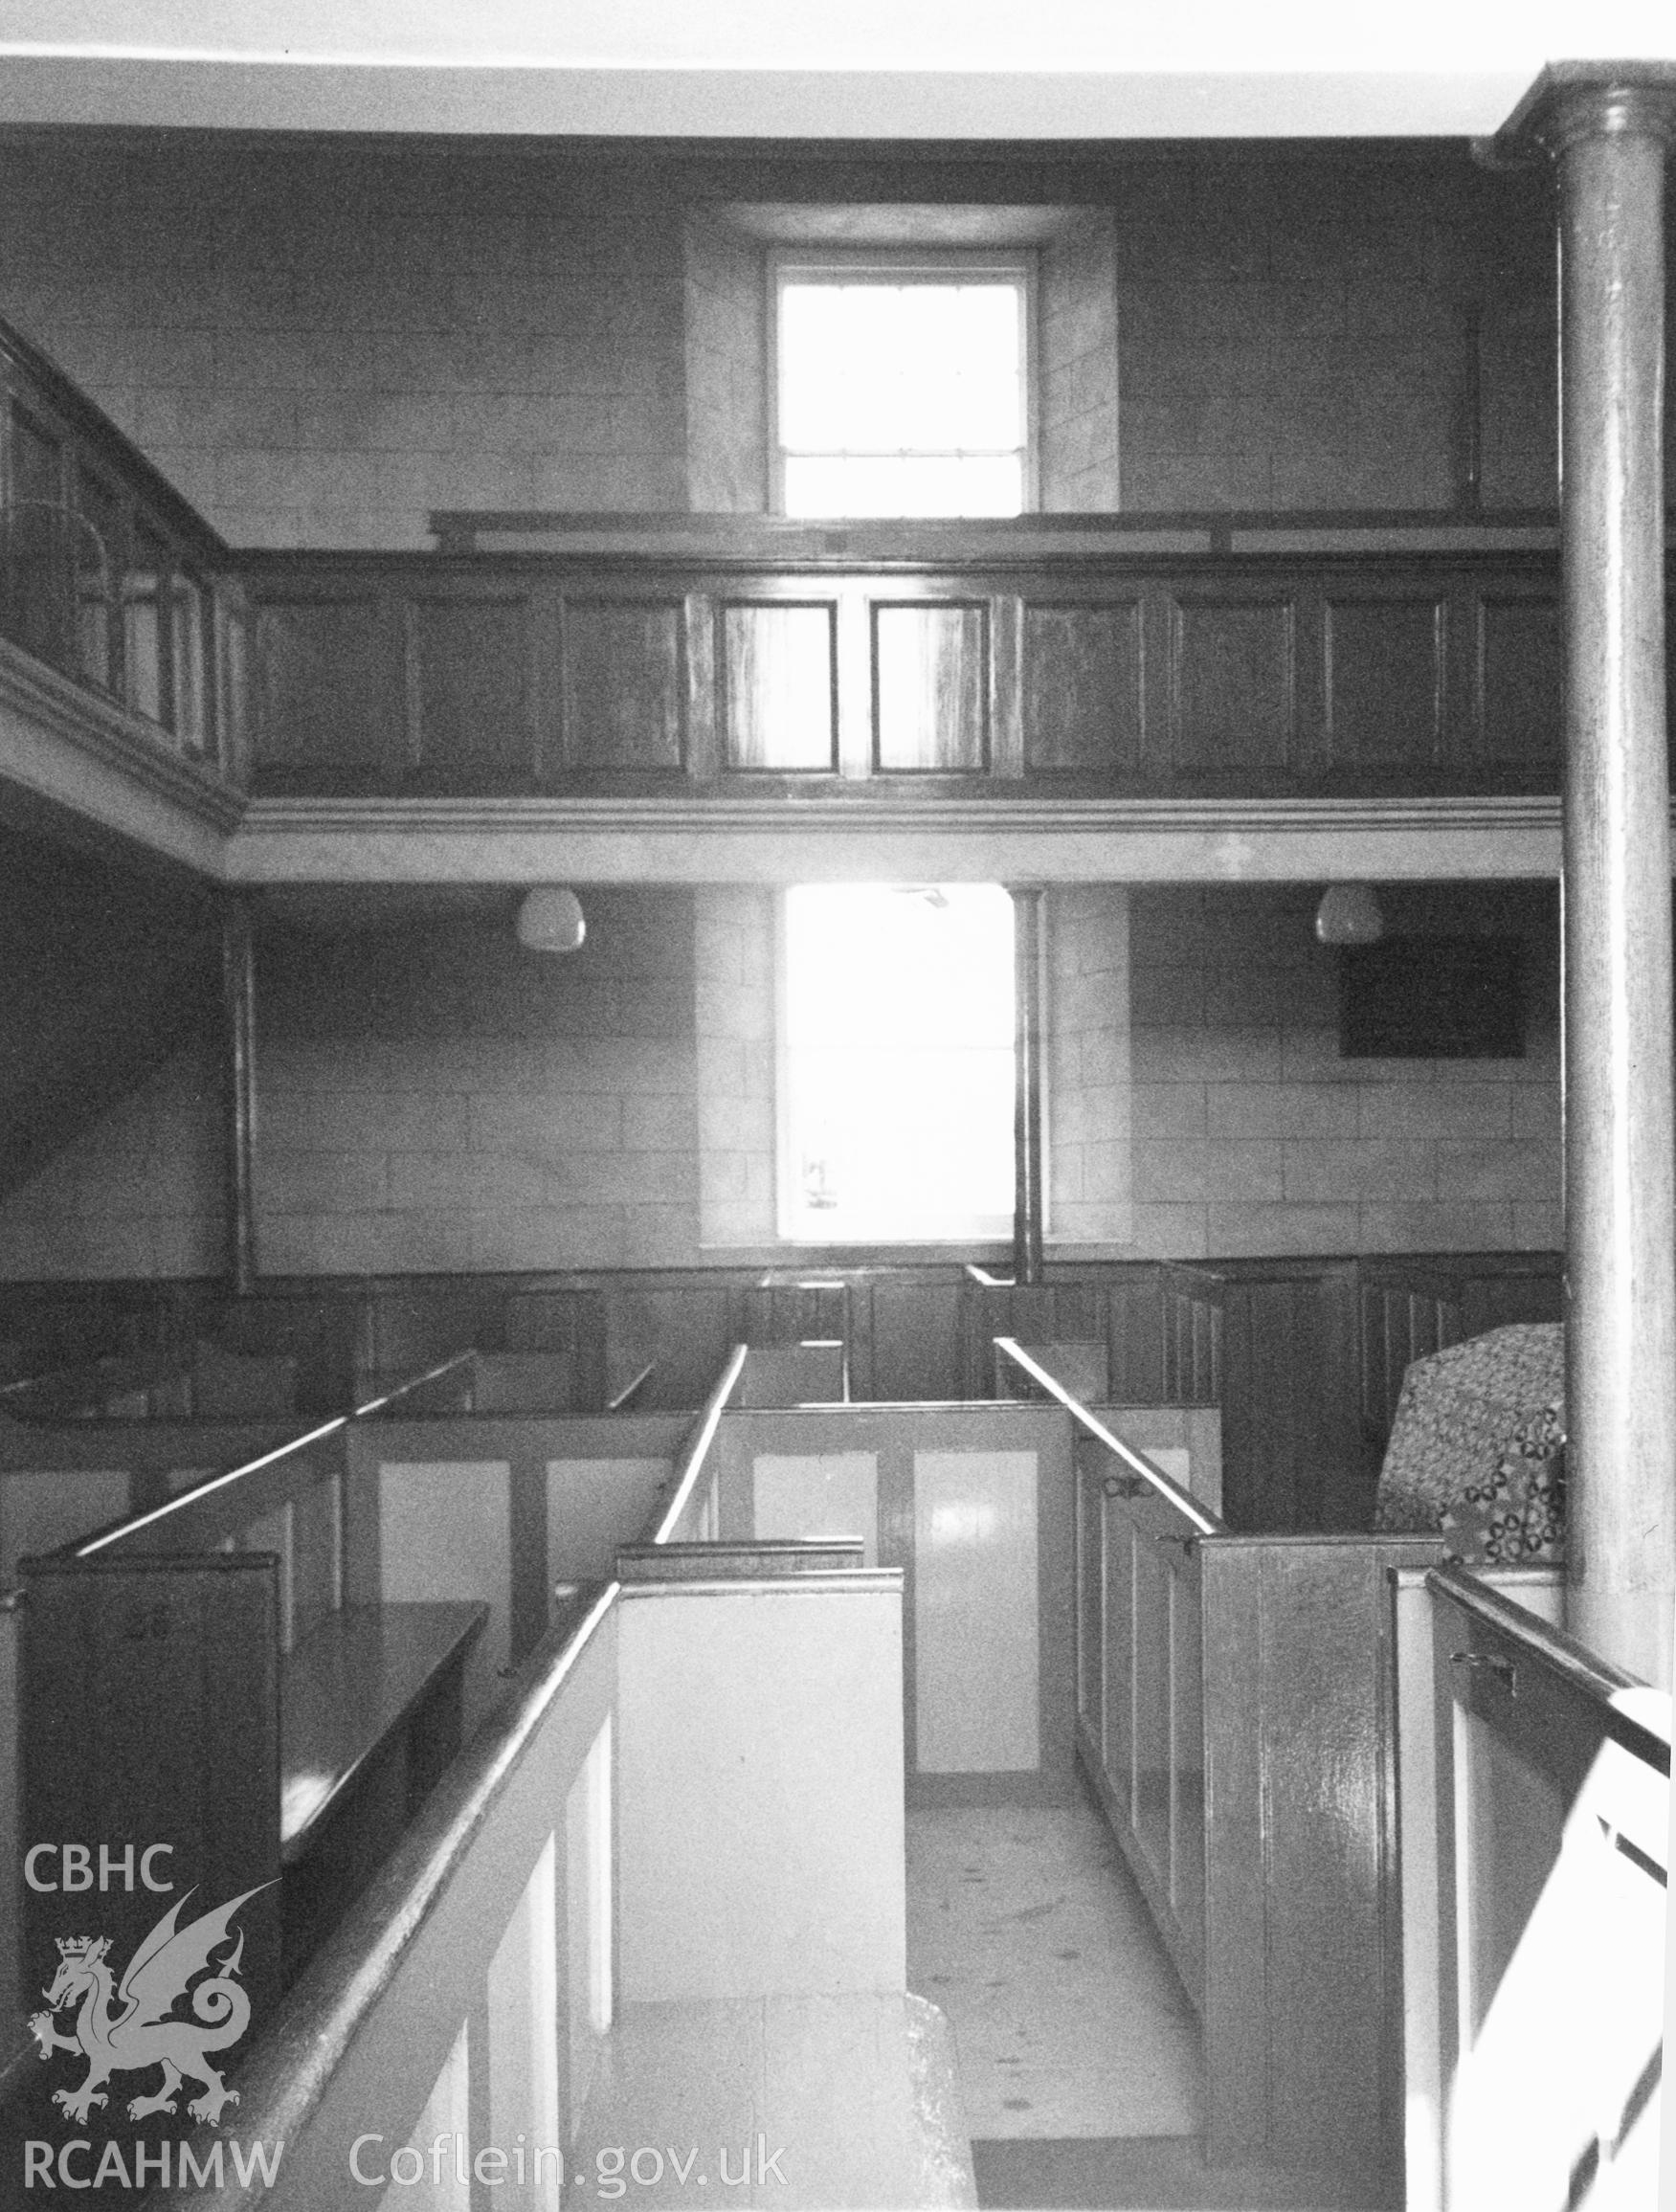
(471, 1989)
(55, 1479)
(760, 1787)
(12, 2010)
(1159, 1326)
(678, 1849)
(1535, 1829)
(506, 1510)
(1304, 1356)
(1235, 1711)
(1140, 1691)
(200, 1678)
(1302, 2005)
(200, 1674)
(972, 1504)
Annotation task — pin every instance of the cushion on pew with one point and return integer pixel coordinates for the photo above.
(1476, 1448)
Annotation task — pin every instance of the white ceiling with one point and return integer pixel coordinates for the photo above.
(904, 69)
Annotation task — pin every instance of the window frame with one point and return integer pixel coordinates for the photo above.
(840, 265)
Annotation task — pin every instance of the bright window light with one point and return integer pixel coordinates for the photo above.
(902, 396)
(897, 1071)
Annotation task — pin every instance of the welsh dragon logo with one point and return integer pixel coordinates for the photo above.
(139, 2033)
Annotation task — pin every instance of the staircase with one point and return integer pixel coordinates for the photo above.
(104, 974)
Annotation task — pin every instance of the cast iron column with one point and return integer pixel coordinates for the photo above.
(1027, 1197)
(1608, 133)
(240, 1087)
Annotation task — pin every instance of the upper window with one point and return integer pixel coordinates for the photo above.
(902, 389)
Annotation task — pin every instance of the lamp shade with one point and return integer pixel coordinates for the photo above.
(551, 920)
(1349, 914)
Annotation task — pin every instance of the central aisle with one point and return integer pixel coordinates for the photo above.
(1024, 1925)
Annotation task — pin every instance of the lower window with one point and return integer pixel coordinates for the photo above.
(896, 1078)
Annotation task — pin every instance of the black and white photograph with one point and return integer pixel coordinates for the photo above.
(838, 1122)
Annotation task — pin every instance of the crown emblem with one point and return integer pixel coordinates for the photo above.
(82, 1947)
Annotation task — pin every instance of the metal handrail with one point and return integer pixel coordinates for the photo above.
(617, 1404)
(302, 2046)
(1594, 1678)
(696, 1450)
(105, 1539)
(1205, 1523)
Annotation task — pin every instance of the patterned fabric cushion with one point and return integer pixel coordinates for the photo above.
(1457, 1417)
(1517, 1518)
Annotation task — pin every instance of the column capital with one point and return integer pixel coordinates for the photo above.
(1587, 100)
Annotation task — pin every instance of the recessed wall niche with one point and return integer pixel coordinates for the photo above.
(728, 345)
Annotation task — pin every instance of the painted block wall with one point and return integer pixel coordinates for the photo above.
(319, 345)
(138, 1193)
(1087, 1089)
(726, 388)
(433, 1099)
(439, 1098)
(1079, 403)
(734, 1020)
(1297, 335)
(1251, 1134)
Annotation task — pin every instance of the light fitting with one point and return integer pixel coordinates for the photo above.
(1349, 914)
(551, 920)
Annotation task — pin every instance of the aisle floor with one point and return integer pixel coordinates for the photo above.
(1027, 1928)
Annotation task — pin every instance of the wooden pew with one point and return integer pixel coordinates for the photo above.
(192, 1678)
(1235, 1714)
(394, 1569)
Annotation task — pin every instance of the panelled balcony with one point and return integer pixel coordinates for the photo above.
(1039, 658)
(113, 579)
(804, 667)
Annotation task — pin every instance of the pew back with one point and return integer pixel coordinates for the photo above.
(1535, 1820)
(542, 1902)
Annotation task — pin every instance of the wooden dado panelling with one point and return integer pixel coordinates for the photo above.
(624, 684)
(779, 676)
(1274, 674)
(473, 687)
(1084, 704)
(333, 699)
(1519, 677)
(1385, 670)
(931, 686)
(1233, 678)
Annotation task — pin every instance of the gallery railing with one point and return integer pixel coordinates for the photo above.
(109, 575)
